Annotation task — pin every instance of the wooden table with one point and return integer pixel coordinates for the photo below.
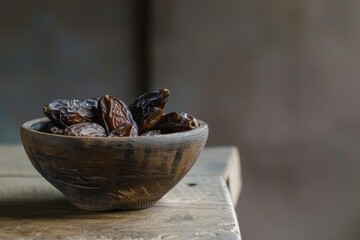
(201, 206)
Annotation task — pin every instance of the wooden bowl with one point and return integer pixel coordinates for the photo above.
(104, 173)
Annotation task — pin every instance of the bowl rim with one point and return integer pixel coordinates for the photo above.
(203, 127)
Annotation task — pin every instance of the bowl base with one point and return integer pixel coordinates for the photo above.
(129, 206)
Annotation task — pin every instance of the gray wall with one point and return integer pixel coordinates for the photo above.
(61, 49)
(280, 80)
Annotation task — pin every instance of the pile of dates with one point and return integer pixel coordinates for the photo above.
(109, 116)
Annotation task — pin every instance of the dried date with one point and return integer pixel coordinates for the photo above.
(124, 130)
(109, 116)
(151, 133)
(148, 108)
(115, 114)
(87, 129)
(93, 102)
(176, 122)
(65, 112)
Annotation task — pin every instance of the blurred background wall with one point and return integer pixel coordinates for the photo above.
(278, 79)
(62, 49)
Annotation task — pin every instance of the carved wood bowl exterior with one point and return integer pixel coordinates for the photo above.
(104, 173)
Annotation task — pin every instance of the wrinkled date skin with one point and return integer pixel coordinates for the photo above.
(116, 115)
(151, 133)
(176, 122)
(93, 102)
(109, 116)
(65, 112)
(87, 129)
(123, 131)
(148, 109)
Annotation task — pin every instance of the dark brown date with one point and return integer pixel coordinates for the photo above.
(116, 114)
(176, 122)
(86, 129)
(109, 116)
(124, 130)
(93, 102)
(65, 112)
(151, 133)
(148, 109)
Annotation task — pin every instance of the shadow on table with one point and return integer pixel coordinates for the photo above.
(40, 209)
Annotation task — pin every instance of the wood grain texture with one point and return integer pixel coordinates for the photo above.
(102, 173)
(197, 208)
(220, 161)
(224, 162)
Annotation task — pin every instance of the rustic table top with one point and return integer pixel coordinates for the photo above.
(201, 206)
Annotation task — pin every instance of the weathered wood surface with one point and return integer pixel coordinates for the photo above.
(213, 161)
(199, 207)
(224, 162)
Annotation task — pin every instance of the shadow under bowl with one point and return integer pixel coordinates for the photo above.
(105, 173)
